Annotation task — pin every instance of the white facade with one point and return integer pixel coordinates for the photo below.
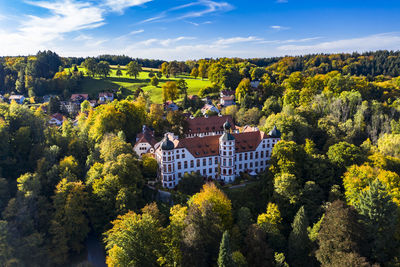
(226, 164)
(143, 148)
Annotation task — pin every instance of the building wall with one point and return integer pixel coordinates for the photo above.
(142, 148)
(175, 163)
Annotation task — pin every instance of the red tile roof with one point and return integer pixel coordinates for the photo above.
(58, 116)
(210, 124)
(147, 136)
(75, 97)
(209, 145)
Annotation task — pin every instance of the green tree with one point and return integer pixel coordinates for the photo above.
(118, 73)
(225, 253)
(103, 69)
(194, 73)
(134, 240)
(242, 90)
(258, 253)
(85, 106)
(133, 69)
(191, 183)
(70, 219)
(298, 244)
(340, 236)
(344, 154)
(90, 65)
(170, 91)
(154, 81)
(182, 87)
(380, 217)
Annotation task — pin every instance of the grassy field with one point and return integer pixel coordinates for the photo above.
(93, 86)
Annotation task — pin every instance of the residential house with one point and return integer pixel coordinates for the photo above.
(169, 105)
(145, 142)
(106, 97)
(17, 98)
(56, 119)
(207, 108)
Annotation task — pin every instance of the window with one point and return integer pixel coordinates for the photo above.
(177, 156)
(204, 172)
(230, 153)
(224, 162)
(262, 154)
(267, 153)
(210, 161)
(185, 164)
(216, 169)
(245, 156)
(204, 162)
(251, 164)
(256, 155)
(230, 162)
(216, 160)
(256, 164)
(192, 164)
(251, 155)
(240, 166)
(198, 163)
(245, 165)
(183, 155)
(240, 157)
(179, 165)
(210, 170)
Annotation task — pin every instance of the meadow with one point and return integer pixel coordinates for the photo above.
(93, 86)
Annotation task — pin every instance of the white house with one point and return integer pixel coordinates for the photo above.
(209, 108)
(106, 97)
(56, 119)
(221, 157)
(145, 142)
(17, 98)
(227, 101)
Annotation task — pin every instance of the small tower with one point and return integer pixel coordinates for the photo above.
(227, 154)
(167, 163)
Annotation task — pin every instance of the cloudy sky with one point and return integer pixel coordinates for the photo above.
(192, 29)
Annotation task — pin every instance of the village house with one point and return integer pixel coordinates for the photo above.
(79, 97)
(106, 97)
(170, 106)
(227, 101)
(221, 157)
(145, 142)
(56, 119)
(207, 108)
(17, 98)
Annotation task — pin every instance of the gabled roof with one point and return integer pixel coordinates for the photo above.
(209, 145)
(228, 92)
(210, 124)
(106, 94)
(75, 97)
(15, 97)
(146, 136)
(58, 116)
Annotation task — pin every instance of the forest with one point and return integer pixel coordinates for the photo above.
(330, 197)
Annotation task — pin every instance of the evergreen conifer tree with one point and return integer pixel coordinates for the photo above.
(225, 253)
(298, 240)
(380, 216)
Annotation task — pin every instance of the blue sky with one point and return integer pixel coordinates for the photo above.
(192, 29)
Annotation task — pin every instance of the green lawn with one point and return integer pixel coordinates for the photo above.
(93, 86)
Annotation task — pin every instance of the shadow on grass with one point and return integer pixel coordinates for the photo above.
(127, 80)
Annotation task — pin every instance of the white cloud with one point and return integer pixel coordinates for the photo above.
(389, 41)
(279, 28)
(120, 5)
(235, 40)
(304, 40)
(161, 42)
(136, 32)
(179, 12)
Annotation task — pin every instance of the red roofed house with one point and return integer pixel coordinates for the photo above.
(79, 97)
(56, 119)
(221, 157)
(145, 142)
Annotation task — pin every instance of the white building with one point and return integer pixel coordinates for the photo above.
(216, 156)
(209, 108)
(105, 96)
(145, 142)
(17, 98)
